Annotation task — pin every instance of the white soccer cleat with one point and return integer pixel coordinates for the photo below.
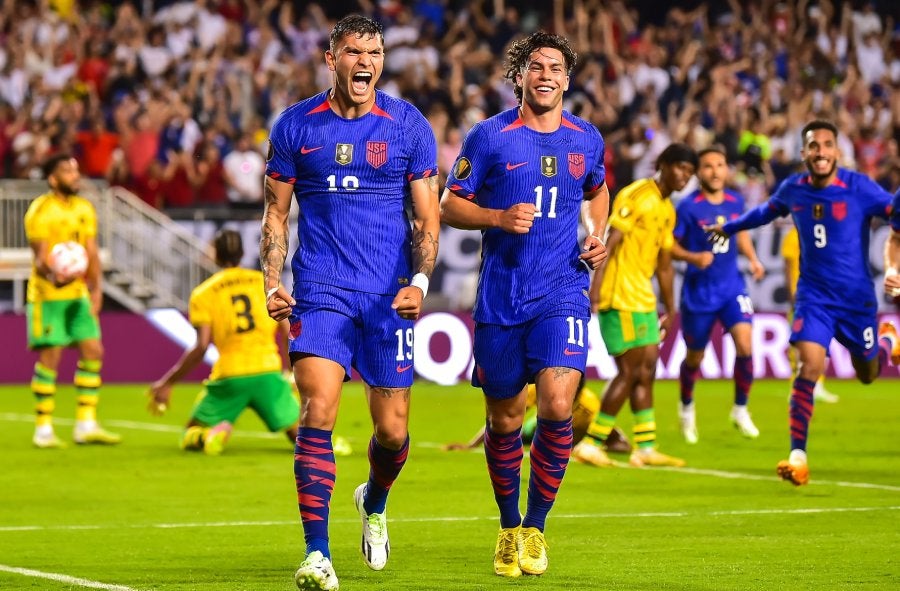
(47, 439)
(820, 394)
(375, 545)
(688, 419)
(740, 418)
(316, 574)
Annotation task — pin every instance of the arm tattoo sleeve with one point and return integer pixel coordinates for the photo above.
(273, 243)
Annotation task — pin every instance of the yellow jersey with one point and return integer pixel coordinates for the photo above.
(54, 219)
(233, 303)
(790, 252)
(646, 221)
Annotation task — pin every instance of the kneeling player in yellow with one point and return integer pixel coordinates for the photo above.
(229, 310)
(62, 310)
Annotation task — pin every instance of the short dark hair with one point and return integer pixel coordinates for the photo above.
(51, 163)
(817, 124)
(677, 152)
(518, 53)
(229, 248)
(714, 149)
(355, 24)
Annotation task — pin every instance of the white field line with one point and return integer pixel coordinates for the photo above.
(65, 579)
(141, 426)
(456, 519)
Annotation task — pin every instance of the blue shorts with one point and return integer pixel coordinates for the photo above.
(697, 326)
(355, 329)
(819, 323)
(508, 357)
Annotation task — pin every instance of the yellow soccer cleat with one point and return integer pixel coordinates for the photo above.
(506, 554)
(192, 438)
(216, 438)
(96, 436)
(889, 331)
(649, 456)
(532, 551)
(591, 454)
(796, 473)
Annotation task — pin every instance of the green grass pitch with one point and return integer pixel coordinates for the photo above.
(145, 516)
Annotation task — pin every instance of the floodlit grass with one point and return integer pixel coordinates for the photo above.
(146, 516)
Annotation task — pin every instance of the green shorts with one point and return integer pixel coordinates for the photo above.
(623, 330)
(60, 323)
(269, 394)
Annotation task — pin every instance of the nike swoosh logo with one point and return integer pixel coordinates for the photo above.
(511, 166)
(402, 369)
(305, 150)
(567, 352)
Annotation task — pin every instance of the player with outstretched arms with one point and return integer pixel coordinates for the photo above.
(356, 159)
(831, 208)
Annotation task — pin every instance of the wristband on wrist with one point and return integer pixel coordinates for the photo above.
(890, 272)
(420, 280)
(270, 292)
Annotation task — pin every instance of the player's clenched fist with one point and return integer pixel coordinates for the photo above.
(518, 219)
(279, 302)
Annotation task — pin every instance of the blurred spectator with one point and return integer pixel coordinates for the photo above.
(176, 77)
(243, 170)
(95, 148)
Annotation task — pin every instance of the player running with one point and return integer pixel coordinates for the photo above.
(714, 290)
(831, 208)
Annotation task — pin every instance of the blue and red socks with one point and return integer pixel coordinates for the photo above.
(743, 379)
(314, 473)
(801, 411)
(550, 451)
(384, 467)
(504, 453)
(687, 377)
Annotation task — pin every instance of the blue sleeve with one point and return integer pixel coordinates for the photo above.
(877, 200)
(470, 168)
(682, 221)
(280, 157)
(423, 158)
(895, 212)
(760, 215)
(597, 175)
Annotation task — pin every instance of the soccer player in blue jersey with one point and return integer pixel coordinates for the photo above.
(521, 178)
(831, 208)
(356, 159)
(713, 288)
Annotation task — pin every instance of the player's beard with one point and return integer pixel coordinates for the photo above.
(67, 189)
(810, 166)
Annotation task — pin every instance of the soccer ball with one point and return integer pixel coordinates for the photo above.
(68, 259)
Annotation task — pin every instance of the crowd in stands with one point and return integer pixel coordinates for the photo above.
(173, 100)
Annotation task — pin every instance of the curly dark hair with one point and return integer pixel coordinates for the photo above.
(355, 24)
(519, 52)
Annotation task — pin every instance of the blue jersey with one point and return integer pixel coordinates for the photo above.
(895, 212)
(833, 227)
(503, 162)
(707, 290)
(351, 180)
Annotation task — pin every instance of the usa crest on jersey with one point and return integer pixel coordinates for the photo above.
(376, 153)
(576, 165)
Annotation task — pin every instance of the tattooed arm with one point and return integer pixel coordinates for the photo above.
(426, 230)
(273, 246)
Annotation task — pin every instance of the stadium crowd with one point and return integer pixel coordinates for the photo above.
(173, 100)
